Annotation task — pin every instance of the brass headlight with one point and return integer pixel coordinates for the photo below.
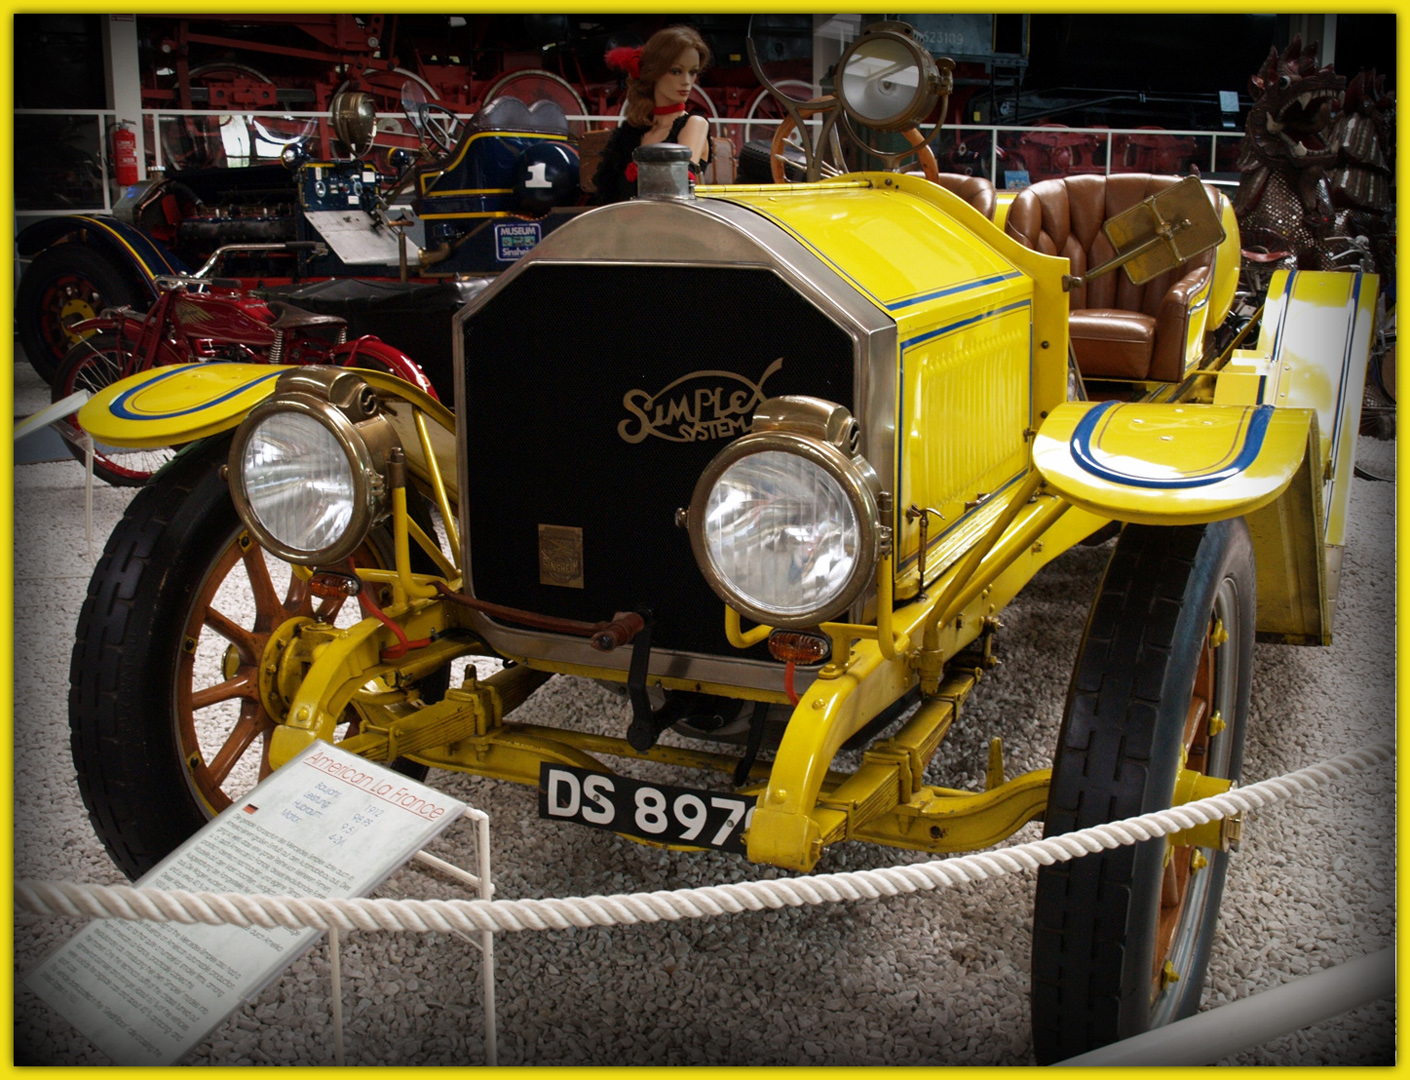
(307, 466)
(887, 80)
(783, 523)
(354, 116)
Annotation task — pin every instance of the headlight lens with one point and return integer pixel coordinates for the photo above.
(881, 80)
(782, 532)
(887, 80)
(785, 523)
(298, 481)
(308, 466)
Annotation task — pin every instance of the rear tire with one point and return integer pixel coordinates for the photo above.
(167, 724)
(1150, 673)
(65, 284)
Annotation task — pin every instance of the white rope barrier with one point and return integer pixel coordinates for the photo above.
(466, 916)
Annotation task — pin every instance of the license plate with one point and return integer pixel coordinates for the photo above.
(656, 812)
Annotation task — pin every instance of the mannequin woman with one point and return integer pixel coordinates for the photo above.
(660, 76)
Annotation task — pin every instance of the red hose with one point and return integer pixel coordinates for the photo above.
(403, 646)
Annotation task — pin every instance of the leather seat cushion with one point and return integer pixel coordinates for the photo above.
(1112, 344)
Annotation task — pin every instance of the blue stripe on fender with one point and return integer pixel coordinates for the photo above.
(119, 406)
(1081, 447)
(153, 258)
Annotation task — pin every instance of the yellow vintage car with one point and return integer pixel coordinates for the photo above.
(770, 460)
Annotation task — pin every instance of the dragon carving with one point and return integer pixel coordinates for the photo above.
(1363, 137)
(1284, 201)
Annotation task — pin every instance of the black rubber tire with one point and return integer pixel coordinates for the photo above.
(41, 297)
(124, 675)
(93, 364)
(1119, 751)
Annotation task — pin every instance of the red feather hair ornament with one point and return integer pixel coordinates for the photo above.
(625, 58)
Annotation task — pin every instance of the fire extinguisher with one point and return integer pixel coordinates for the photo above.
(125, 153)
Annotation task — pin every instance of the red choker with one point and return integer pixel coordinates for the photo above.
(666, 110)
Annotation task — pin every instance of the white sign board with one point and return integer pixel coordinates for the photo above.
(356, 237)
(328, 824)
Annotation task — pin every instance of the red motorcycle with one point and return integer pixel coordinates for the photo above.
(197, 320)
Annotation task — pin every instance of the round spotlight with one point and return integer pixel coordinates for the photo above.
(354, 116)
(887, 80)
(299, 482)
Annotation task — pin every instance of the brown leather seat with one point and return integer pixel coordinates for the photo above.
(978, 191)
(1118, 330)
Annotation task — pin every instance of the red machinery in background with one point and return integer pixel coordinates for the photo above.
(1154, 150)
(194, 321)
(1055, 150)
(233, 65)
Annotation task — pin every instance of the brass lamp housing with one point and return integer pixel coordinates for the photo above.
(875, 73)
(349, 410)
(354, 117)
(825, 434)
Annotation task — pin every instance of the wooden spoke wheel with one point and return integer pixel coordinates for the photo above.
(184, 655)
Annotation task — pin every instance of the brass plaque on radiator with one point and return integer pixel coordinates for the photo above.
(561, 556)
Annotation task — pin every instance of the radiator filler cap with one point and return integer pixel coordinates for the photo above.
(663, 171)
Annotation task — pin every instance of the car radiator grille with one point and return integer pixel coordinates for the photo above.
(595, 396)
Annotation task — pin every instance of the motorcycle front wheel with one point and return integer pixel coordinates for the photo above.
(94, 364)
(167, 723)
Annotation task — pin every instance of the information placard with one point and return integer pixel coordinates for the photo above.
(328, 824)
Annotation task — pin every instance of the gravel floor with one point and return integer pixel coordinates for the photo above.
(935, 979)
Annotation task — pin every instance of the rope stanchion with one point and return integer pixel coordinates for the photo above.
(336, 977)
(497, 916)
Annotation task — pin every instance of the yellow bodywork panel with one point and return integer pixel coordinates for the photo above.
(927, 258)
(1313, 346)
(1209, 305)
(1225, 274)
(1171, 464)
(1295, 591)
(965, 393)
(981, 326)
(178, 404)
(1312, 351)
(1002, 201)
(1185, 464)
(900, 243)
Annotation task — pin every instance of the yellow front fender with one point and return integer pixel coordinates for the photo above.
(1188, 464)
(1171, 464)
(166, 406)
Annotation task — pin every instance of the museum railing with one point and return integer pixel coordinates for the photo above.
(68, 169)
